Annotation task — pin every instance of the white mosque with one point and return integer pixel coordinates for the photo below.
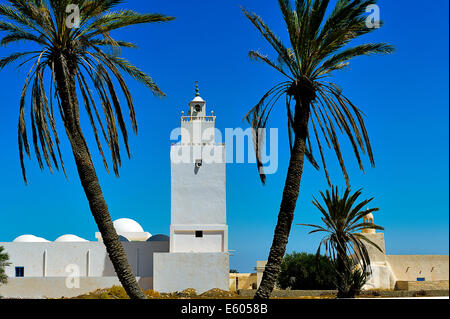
(194, 256)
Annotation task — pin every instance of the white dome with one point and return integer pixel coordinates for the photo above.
(198, 99)
(30, 239)
(368, 216)
(69, 238)
(127, 225)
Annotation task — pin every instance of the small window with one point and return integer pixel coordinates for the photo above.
(20, 271)
(198, 234)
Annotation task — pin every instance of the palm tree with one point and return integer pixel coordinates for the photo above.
(318, 48)
(71, 53)
(344, 225)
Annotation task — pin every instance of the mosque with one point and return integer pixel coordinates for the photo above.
(396, 272)
(403, 272)
(195, 255)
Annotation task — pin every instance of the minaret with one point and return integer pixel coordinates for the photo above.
(197, 128)
(368, 218)
(198, 185)
(381, 276)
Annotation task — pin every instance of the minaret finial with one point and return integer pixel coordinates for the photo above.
(197, 92)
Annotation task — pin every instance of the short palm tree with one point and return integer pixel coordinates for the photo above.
(318, 48)
(4, 257)
(344, 243)
(75, 55)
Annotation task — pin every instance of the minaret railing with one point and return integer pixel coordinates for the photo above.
(203, 118)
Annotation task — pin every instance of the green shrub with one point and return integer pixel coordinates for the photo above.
(3, 263)
(302, 271)
(353, 281)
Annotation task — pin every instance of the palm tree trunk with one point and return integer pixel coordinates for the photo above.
(66, 90)
(288, 202)
(343, 274)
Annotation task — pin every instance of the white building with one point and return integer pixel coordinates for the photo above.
(403, 272)
(198, 256)
(396, 272)
(195, 255)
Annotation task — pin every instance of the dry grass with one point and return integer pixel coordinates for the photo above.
(117, 292)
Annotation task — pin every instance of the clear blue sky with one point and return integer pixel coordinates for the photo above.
(405, 98)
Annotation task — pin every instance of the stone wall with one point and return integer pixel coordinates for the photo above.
(422, 285)
(290, 293)
(411, 267)
(244, 281)
(364, 294)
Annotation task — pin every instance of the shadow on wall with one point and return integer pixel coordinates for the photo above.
(139, 256)
(131, 250)
(145, 283)
(108, 269)
(140, 260)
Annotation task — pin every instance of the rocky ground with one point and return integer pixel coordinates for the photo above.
(117, 292)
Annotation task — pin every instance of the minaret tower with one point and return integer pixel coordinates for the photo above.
(198, 185)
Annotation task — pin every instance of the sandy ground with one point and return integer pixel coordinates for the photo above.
(411, 298)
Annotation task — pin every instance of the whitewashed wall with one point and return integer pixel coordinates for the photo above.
(411, 267)
(215, 238)
(388, 269)
(198, 195)
(51, 259)
(201, 271)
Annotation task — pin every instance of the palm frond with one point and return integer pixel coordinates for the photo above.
(79, 56)
(340, 60)
(318, 47)
(342, 221)
(15, 56)
(22, 36)
(116, 20)
(258, 118)
(275, 42)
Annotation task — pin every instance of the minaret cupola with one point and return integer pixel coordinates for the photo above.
(197, 107)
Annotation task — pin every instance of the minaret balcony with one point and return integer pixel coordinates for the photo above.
(210, 118)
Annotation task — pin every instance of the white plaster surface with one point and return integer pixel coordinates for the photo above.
(201, 271)
(215, 238)
(198, 195)
(388, 269)
(90, 257)
(185, 241)
(411, 267)
(260, 266)
(375, 254)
